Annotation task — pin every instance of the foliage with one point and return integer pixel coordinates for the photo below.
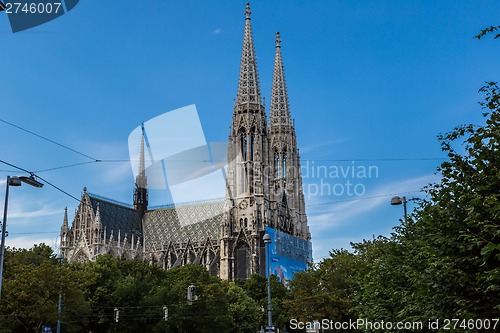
(443, 261)
(326, 290)
(31, 286)
(488, 30)
(139, 290)
(256, 288)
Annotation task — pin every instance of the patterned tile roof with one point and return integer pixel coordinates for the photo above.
(162, 225)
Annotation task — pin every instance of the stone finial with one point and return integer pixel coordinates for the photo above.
(248, 12)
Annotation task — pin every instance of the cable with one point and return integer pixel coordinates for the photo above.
(78, 164)
(67, 166)
(46, 181)
(47, 139)
(362, 198)
(15, 166)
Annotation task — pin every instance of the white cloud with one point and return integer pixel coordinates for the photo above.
(217, 31)
(321, 145)
(328, 217)
(27, 242)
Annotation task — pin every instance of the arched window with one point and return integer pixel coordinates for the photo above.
(252, 151)
(284, 162)
(244, 145)
(242, 262)
(276, 164)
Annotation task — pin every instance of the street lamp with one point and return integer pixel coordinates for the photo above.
(59, 307)
(267, 241)
(398, 201)
(12, 181)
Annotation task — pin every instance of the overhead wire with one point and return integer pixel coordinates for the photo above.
(47, 139)
(363, 198)
(95, 160)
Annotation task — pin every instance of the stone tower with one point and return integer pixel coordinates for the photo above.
(247, 187)
(286, 194)
(264, 184)
(141, 183)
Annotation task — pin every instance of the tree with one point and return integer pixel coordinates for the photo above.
(326, 290)
(461, 220)
(244, 312)
(487, 31)
(31, 286)
(443, 261)
(256, 288)
(125, 285)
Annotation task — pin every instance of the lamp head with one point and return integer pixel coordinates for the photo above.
(31, 181)
(396, 200)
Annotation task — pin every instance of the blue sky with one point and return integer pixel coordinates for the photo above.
(370, 83)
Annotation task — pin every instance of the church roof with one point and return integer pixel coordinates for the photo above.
(116, 216)
(195, 222)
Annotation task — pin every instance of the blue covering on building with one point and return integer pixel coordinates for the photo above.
(288, 254)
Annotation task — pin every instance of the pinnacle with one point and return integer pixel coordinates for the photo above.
(280, 113)
(248, 12)
(141, 180)
(248, 87)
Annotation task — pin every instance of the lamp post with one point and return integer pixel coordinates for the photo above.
(398, 201)
(11, 181)
(267, 241)
(59, 306)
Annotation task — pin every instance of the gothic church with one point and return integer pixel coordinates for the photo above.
(263, 190)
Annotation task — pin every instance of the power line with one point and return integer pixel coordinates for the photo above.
(68, 166)
(363, 198)
(46, 181)
(78, 164)
(15, 166)
(47, 139)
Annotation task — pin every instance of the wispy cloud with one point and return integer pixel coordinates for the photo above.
(25, 209)
(328, 216)
(217, 31)
(321, 145)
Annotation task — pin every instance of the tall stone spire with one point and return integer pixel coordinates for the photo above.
(141, 182)
(280, 112)
(247, 181)
(65, 235)
(65, 225)
(248, 88)
(141, 179)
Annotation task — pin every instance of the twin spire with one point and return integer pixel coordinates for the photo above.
(248, 87)
(280, 113)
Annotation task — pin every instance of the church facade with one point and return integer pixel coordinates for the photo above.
(263, 195)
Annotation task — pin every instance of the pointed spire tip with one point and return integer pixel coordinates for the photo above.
(278, 39)
(248, 12)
